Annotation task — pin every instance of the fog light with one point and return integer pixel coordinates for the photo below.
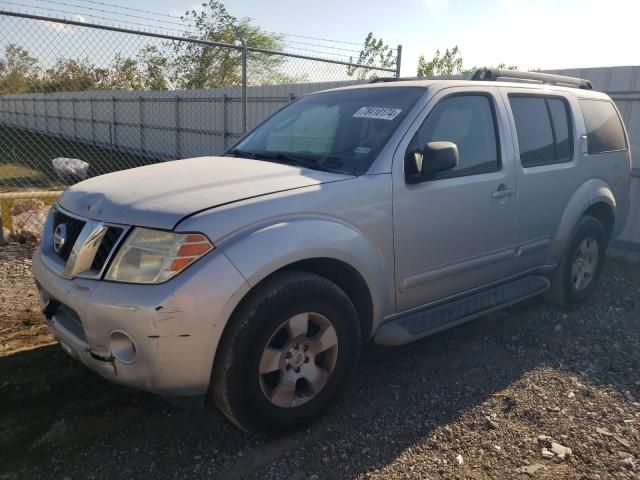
(122, 346)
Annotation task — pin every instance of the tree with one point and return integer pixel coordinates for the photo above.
(124, 74)
(449, 63)
(375, 53)
(203, 66)
(155, 68)
(18, 70)
(74, 75)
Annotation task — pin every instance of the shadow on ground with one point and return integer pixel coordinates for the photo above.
(408, 409)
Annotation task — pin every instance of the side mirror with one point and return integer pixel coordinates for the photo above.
(435, 157)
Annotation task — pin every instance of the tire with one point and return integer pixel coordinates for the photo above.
(267, 325)
(566, 289)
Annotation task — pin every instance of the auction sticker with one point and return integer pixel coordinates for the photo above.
(379, 113)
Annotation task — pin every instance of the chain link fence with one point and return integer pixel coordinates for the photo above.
(79, 100)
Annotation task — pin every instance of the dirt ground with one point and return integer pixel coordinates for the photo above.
(480, 401)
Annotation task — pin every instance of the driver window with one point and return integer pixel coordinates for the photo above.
(467, 121)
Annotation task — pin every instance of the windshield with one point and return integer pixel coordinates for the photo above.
(341, 131)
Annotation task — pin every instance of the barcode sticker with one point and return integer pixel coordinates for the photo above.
(379, 113)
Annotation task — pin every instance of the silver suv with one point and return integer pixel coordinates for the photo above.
(383, 212)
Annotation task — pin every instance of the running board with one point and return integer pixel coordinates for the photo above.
(419, 324)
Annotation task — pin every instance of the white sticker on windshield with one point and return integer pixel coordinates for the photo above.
(379, 113)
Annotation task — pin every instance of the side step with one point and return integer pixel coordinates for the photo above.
(419, 324)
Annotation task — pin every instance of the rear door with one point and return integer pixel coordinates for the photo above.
(456, 232)
(545, 141)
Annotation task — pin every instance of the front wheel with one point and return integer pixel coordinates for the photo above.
(289, 350)
(581, 265)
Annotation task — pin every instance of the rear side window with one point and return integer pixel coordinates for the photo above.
(543, 127)
(604, 128)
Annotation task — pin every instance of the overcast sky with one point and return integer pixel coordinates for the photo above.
(527, 33)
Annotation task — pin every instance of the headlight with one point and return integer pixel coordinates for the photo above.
(154, 256)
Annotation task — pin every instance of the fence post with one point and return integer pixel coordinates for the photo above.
(398, 61)
(141, 117)
(224, 121)
(177, 127)
(93, 122)
(244, 87)
(73, 110)
(113, 122)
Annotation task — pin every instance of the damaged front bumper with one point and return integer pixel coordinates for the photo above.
(158, 338)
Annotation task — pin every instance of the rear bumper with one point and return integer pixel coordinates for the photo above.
(174, 327)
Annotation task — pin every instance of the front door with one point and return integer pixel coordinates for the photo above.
(456, 231)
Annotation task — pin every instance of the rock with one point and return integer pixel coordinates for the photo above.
(571, 395)
(546, 454)
(560, 451)
(28, 225)
(603, 431)
(70, 168)
(557, 328)
(622, 441)
(629, 463)
(6, 236)
(21, 206)
(530, 469)
(459, 460)
(492, 424)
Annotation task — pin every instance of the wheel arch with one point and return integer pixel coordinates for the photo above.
(595, 198)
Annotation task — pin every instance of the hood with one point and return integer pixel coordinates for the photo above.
(162, 194)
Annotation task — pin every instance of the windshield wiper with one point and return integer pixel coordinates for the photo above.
(290, 159)
(242, 153)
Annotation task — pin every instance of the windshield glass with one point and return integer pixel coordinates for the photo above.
(340, 131)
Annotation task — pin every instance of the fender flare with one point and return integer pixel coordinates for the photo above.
(589, 193)
(259, 251)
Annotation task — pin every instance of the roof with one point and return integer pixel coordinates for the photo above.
(440, 84)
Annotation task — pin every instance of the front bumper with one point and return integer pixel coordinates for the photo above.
(175, 327)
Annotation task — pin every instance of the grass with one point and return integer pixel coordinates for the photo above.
(25, 159)
(10, 172)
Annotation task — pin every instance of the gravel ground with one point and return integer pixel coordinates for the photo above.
(488, 400)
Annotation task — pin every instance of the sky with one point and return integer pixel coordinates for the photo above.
(529, 33)
(545, 34)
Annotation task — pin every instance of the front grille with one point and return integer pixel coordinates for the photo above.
(74, 227)
(106, 247)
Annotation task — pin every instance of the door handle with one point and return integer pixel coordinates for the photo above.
(503, 191)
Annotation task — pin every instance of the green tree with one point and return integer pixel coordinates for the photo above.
(124, 74)
(375, 53)
(204, 66)
(18, 70)
(449, 63)
(73, 75)
(154, 65)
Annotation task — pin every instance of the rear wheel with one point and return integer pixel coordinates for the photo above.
(289, 350)
(579, 270)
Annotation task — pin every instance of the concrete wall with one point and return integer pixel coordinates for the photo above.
(164, 124)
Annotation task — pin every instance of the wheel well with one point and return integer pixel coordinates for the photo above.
(603, 212)
(349, 280)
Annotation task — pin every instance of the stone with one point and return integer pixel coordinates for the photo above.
(546, 454)
(560, 451)
(530, 469)
(21, 206)
(459, 460)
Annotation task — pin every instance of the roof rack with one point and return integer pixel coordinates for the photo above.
(394, 79)
(495, 74)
